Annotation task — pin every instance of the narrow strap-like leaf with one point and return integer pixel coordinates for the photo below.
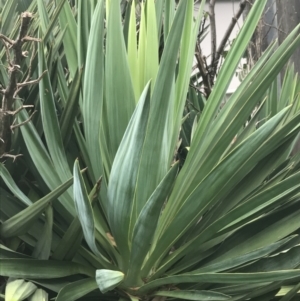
(42, 269)
(71, 109)
(93, 89)
(85, 214)
(42, 248)
(124, 174)
(146, 225)
(19, 223)
(9, 181)
(119, 103)
(194, 295)
(230, 278)
(209, 189)
(155, 160)
(67, 19)
(50, 122)
(77, 289)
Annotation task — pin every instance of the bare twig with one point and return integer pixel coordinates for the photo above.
(30, 39)
(226, 36)
(213, 32)
(28, 83)
(14, 157)
(16, 46)
(32, 82)
(6, 39)
(14, 126)
(203, 70)
(19, 110)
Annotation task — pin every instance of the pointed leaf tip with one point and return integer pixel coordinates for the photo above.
(108, 279)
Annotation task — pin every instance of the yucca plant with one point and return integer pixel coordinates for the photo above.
(134, 225)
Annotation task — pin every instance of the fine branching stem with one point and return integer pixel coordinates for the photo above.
(213, 31)
(217, 55)
(203, 70)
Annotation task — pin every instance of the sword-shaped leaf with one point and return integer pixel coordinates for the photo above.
(232, 167)
(156, 159)
(93, 89)
(85, 214)
(119, 102)
(145, 226)
(124, 175)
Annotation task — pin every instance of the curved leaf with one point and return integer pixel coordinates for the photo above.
(77, 289)
(19, 223)
(9, 181)
(43, 163)
(39, 295)
(50, 122)
(226, 173)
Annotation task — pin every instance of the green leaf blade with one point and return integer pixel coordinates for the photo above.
(93, 88)
(77, 289)
(194, 295)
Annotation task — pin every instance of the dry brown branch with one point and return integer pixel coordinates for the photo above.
(15, 56)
